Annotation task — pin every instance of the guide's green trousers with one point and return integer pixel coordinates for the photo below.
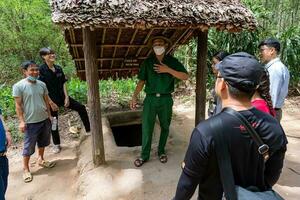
(162, 107)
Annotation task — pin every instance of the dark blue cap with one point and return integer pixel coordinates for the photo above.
(241, 70)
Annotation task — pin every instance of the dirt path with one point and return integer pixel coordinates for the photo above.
(56, 183)
(120, 180)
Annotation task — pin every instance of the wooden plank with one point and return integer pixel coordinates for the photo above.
(184, 39)
(178, 40)
(112, 45)
(145, 42)
(115, 49)
(114, 69)
(131, 41)
(201, 76)
(106, 59)
(90, 54)
(102, 42)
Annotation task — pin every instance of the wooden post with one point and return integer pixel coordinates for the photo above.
(92, 78)
(201, 76)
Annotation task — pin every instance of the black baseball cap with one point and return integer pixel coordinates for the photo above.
(241, 70)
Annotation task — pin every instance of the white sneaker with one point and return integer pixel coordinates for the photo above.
(56, 149)
(88, 133)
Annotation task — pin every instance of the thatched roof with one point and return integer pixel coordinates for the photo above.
(223, 14)
(124, 27)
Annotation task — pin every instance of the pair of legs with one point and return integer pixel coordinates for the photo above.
(74, 105)
(161, 107)
(278, 113)
(35, 133)
(3, 176)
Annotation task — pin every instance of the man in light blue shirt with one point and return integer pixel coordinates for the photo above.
(279, 75)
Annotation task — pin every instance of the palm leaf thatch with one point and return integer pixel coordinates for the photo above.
(124, 27)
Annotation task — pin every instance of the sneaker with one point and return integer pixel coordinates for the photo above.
(56, 149)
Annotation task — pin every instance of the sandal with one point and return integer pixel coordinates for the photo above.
(163, 158)
(139, 162)
(27, 177)
(47, 164)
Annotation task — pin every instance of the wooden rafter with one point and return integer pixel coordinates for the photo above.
(145, 42)
(102, 42)
(106, 59)
(185, 38)
(73, 40)
(178, 40)
(112, 45)
(114, 69)
(131, 41)
(115, 49)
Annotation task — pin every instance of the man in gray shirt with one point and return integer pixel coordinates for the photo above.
(32, 107)
(279, 75)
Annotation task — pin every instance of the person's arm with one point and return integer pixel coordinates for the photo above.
(67, 100)
(7, 132)
(46, 99)
(138, 89)
(275, 84)
(53, 105)
(193, 167)
(274, 166)
(163, 68)
(20, 114)
(186, 187)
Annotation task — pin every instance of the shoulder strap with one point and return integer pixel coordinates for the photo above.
(263, 148)
(223, 157)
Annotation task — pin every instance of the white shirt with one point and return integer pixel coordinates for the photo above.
(279, 81)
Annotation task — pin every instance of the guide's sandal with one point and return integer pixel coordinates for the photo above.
(27, 177)
(47, 164)
(163, 158)
(139, 162)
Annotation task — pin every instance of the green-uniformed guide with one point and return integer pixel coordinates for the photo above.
(157, 73)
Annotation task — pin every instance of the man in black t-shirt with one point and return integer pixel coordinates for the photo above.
(237, 79)
(54, 78)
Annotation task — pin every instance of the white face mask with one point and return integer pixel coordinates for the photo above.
(159, 50)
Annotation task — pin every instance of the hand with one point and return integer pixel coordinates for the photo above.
(8, 138)
(133, 103)
(22, 127)
(161, 68)
(67, 102)
(53, 106)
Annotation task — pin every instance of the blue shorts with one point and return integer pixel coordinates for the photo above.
(36, 133)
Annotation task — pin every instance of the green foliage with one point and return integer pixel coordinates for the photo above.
(7, 103)
(25, 28)
(111, 91)
(283, 25)
(78, 90)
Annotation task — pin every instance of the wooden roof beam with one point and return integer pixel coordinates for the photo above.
(145, 42)
(114, 69)
(102, 42)
(130, 43)
(106, 59)
(178, 40)
(115, 49)
(112, 45)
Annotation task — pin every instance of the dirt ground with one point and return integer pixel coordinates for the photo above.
(74, 176)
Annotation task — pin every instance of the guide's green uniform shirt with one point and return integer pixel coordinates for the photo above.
(158, 101)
